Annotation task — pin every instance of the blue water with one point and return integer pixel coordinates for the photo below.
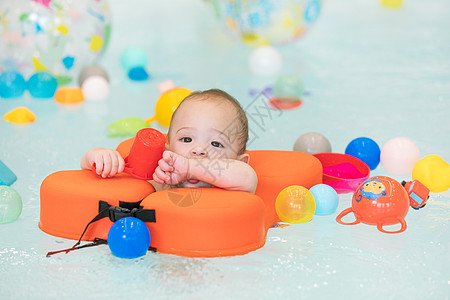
(369, 71)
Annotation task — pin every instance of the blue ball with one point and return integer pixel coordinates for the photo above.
(12, 84)
(138, 74)
(129, 238)
(366, 150)
(133, 57)
(326, 198)
(42, 85)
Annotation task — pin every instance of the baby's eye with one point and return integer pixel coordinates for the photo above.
(216, 144)
(186, 139)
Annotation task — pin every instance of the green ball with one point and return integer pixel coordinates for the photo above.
(10, 204)
(288, 86)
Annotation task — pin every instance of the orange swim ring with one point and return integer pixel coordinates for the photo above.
(195, 222)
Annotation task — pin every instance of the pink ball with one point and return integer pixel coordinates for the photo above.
(399, 155)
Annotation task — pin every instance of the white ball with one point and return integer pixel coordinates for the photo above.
(265, 61)
(95, 88)
(399, 155)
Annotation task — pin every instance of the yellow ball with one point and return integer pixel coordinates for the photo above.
(168, 103)
(295, 204)
(392, 3)
(433, 172)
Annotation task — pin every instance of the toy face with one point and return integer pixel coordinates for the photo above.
(373, 189)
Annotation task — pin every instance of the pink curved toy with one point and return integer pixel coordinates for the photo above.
(343, 172)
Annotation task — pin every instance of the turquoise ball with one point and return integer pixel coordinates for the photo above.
(42, 85)
(133, 57)
(12, 84)
(326, 198)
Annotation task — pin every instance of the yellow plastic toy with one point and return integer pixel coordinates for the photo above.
(433, 172)
(392, 3)
(167, 103)
(20, 115)
(295, 204)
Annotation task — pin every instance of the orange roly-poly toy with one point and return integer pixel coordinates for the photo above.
(379, 201)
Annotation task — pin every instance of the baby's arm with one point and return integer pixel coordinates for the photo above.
(228, 174)
(107, 162)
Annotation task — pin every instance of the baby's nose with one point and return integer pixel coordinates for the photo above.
(199, 151)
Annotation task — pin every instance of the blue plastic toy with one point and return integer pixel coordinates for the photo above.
(326, 198)
(366, 150)
(138, 74)
(133, 57)
(7, 177)
(12, 84)
(42, 85)
(10, 204)
(129, 238)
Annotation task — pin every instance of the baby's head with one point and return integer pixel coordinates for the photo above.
(209, 124)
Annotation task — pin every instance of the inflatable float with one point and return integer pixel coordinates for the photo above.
(194, 222)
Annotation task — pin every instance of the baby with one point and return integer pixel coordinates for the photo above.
(206, 147)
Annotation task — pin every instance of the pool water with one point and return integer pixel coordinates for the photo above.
(368, 71)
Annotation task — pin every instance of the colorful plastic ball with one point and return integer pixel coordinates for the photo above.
(10, 204)
(269, 21)
(312, 143)
(59, 37)
(138, 74)
(95, 88)
(12, 84)
(42, 85)
(433, 172)
(295, 204)
(129, 238)
(92, 70)
(326, 198)
(166, 105)
(265, 61)
(392, 3)
(133, 57)
(366, 150)
(288, 87)
(399, 155)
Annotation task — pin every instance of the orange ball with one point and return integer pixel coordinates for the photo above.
(295, 204)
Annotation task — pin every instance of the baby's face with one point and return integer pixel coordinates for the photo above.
(204, 129)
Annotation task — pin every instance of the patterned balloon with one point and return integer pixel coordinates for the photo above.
(262, 22)
(56, 36)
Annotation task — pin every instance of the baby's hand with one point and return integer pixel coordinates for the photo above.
(172, 169)
(105, 162)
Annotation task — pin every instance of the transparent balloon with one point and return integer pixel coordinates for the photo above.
(57, 36)
(265, 22)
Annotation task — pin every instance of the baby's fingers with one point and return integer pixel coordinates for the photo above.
(107, 165)
(168, 156)
(165, 166)
(160, 176)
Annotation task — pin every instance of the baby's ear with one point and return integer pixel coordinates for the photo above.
(244, 158)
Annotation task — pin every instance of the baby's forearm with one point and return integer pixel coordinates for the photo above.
(228, 174)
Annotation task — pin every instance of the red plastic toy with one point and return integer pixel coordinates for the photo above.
(418, 193)
(379, 201)
(147, 149)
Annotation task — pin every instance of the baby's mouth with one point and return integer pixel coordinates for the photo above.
(192, 181)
